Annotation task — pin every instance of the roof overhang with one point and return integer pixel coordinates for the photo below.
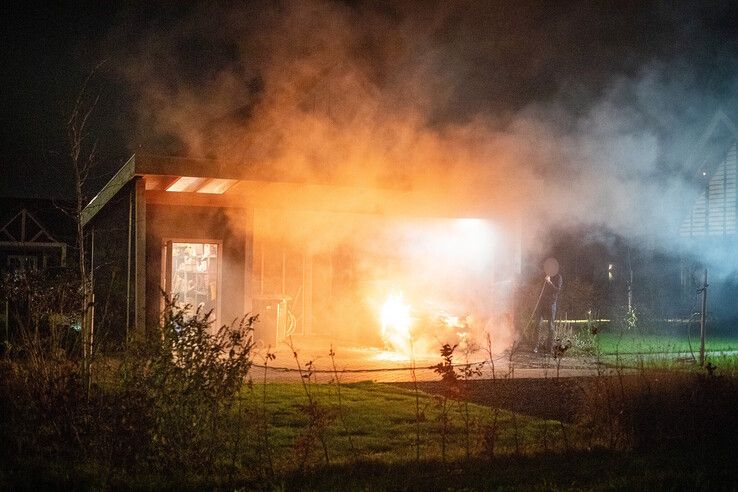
(209, 183)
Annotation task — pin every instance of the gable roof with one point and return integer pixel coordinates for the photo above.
(714, 142)
(713, 160)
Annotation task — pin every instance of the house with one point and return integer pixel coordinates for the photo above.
(710, 222)
(35, 234)
(664, 278)
(314, 258)
(709, 231)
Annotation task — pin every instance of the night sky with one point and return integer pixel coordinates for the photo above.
(501, 57)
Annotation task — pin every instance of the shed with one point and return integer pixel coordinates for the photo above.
(311, 257)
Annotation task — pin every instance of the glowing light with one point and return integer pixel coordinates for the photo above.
(397, 326)
(217, 186)
(186, 183)
(473, 241)
(212, 186)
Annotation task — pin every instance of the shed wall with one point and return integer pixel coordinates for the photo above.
(195, 224)
(111, 247)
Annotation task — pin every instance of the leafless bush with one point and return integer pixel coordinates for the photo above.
(319, 416)
(41, 398)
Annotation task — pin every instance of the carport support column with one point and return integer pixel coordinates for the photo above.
(140, 256)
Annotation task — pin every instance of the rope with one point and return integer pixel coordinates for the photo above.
(376, 369)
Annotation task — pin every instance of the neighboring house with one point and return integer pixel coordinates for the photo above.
(709, 231)
(303, 255)
(35, 234)
(711, 221)
(666, 282)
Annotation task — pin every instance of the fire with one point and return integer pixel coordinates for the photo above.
(397, 323)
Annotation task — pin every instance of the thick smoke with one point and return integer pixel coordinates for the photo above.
(364, 94)
(541, 110)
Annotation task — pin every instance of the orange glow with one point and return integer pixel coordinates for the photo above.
(400, 285)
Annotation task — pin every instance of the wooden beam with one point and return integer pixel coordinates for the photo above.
(16, 244)
(116, 183)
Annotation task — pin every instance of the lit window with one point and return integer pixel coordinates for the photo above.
(217, 186)
(186, 183)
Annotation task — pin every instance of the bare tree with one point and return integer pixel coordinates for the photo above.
(83, 154)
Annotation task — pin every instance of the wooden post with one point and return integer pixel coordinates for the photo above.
(630, 285)
(129, 266)
(139, 248)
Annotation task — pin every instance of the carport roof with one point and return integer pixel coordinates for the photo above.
(204, 182)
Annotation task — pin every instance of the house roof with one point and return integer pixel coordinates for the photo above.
(709, 149)
(23, 219)
(712, 212)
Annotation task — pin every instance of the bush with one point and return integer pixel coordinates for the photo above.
(188, 376)
(44, 310)
(164, 409)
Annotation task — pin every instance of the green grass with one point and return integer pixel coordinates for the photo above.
(379, 422)
(380, 419)
(659, 351)
(633, 342)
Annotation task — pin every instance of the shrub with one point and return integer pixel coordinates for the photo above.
(188, 378)
(166, 408)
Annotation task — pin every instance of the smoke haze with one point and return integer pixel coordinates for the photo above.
(578, 117)
(364, 94)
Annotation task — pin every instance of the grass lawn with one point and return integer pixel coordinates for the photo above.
(370, 444)
(377, 422)
(582, 470)
(633, 342)
(661, 351)
(380, 420)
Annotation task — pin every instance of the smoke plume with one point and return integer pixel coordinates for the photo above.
(577, 117)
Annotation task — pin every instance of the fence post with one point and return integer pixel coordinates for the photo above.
(703, 316)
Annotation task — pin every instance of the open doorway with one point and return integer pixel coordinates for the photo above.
(191, 273)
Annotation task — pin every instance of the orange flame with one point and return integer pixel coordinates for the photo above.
(397, 326)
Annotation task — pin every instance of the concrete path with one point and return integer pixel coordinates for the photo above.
(354, 364)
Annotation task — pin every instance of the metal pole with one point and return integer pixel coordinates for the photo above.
(630, 284)
(703, 315)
